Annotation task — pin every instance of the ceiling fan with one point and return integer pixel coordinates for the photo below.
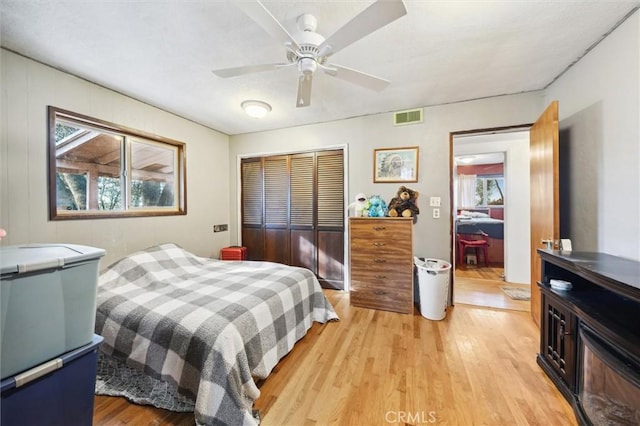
(311, 50)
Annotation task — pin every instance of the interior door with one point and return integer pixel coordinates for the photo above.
(330, 218)
(302, 231)
(545, 211)
(253, 207)
(276, 209)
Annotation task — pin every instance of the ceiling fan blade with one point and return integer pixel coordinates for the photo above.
(248, 69)
(256, 11)
(304, 90)
(356, 77)
(376, 16)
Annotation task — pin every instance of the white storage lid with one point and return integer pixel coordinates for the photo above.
(37, 257)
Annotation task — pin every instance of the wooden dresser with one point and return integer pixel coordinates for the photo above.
(381, 260)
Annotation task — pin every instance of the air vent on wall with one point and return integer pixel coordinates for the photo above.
(411, 116)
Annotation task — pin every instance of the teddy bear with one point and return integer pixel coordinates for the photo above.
(377, 207)
(404, 203)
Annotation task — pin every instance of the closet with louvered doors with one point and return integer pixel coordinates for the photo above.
(293, 211)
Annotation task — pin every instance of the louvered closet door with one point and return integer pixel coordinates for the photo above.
(330, 220)
(303, 240)
(293, 212)
(252, 208)
(276, 209)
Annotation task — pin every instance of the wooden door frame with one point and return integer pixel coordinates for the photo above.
(452, 135)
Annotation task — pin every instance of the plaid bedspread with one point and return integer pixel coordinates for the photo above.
(205, 326)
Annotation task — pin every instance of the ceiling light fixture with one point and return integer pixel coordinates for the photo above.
(466, 160)
(256, 109)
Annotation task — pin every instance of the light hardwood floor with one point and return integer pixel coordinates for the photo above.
(475, 367)
(481, 286)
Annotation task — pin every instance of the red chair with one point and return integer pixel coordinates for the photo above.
(483, 244)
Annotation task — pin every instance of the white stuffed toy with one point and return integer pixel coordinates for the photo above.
(359, 208)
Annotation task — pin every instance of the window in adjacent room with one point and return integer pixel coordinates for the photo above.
(489, 191)
(99, 169)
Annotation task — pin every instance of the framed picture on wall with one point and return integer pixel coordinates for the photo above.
(395, 164)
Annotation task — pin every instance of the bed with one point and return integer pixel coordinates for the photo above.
(478, 221)
(472, 223)
(201, 331)
(494, 228)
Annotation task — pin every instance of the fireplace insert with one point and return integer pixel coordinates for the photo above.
(608, 390)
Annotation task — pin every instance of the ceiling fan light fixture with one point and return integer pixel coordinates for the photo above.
(256, 109)
(308, 50)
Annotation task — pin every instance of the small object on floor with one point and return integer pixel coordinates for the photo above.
(234, 253)
(517, 293)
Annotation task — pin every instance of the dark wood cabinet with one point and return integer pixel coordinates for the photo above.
(604, 301)
(558, 342)
(293, 212)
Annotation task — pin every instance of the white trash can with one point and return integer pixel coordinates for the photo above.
(433, 286)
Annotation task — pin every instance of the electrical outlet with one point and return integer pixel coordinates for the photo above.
(434, 201)
(436, 213)
(220, 228)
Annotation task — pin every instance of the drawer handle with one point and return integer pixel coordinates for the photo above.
(379, 244)
(380, 277)
(379, 228)
(380, 260)
(380, 292)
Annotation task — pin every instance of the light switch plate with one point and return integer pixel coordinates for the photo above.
(434, 201)
(220, 228)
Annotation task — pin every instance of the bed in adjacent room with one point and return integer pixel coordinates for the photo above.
(184, 332)
(476, 222)
(494, 228)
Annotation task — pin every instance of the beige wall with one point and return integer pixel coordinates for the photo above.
(27, 88)
(361, 135)
(599, 101)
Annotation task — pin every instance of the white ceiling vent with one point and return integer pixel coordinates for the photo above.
(411, 116)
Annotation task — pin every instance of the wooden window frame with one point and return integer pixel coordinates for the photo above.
(179, 206)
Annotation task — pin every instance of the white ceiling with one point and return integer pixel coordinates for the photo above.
(162, 52)
(476, 159)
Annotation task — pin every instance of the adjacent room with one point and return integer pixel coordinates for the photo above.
(491, 186)
(277, 212)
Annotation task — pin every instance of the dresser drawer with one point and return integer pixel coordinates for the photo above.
(378, 296)
(400, 280)
(385, 258)
(382, 230)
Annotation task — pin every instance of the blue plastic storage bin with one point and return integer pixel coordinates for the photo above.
(47, 302)
(58, 392)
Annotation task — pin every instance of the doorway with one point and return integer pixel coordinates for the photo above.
(490, 198)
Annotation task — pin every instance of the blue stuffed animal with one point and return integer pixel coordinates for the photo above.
(377, 207)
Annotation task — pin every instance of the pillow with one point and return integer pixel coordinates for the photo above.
(479, 214)
(473, 214)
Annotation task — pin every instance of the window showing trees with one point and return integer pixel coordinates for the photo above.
(99, 169)
(489, 191)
